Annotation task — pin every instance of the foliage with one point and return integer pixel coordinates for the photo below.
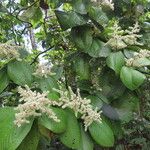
(97, 57)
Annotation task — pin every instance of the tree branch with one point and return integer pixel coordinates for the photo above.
(34, 60)
(25, 8)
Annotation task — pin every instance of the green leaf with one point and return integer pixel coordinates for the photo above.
(82, 68)
(111, 85)
(82, 37)
(80, 6)
(69, 19)
(56, 127)
(128, 101)
(110, 112)
(131, 78)
(98, 15)
(31, 14)
(142, 62)
(10, 135)
(102, 134)
(86, 141)
(31, 140)
(20, 72)
(47, 84)
(126, 105)
(95, 101)
(72, 136)
(115, 61)
(37, 16)
(98, 49)
(4, 80)
(58, 72)
(55, 3)
(24, 2)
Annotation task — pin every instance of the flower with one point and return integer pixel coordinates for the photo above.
(79, 105)
(43, 70)
(122, 38)
(9, 51)
(133, 62)
(34, 104)
(104, 3)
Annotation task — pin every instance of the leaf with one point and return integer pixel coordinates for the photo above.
(55, 3)
(58, 71)
(112, 87)
(110, 112)
(69, 19)
(10, 135)
(131, 78)
(126, 105)
(98, 49)
(82, 68)
(80, 6)
(95, 101)
(24, 2)
(31, 14)
(82, 37)
(86, 141)
(4, 80)
(56, 127)
(98, 15)
(102, 134)
(142, 62)
(31, 140)
(72, 136)
(47, 84)
(20, 72)
(115, 61)
(37, 16)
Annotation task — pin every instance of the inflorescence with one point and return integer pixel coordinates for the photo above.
(108, 3)
(43, 70)
(8, 51)
(133, 62)
(35, 104)
(122, 38)
(79, 105)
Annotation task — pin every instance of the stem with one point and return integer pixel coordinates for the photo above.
(41, 54)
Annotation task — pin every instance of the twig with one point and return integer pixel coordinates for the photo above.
(17, 16)
(34, 60)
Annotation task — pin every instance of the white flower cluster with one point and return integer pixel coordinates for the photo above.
(43, 70)
(133, 61)
(108, 3)
(79, 105)
(9, 51)
(33, 104)
(122, 38)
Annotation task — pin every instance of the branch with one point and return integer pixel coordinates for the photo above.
(17, 16)
(34, 60)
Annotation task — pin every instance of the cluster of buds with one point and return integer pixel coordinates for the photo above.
(34, 104)
(107, 3)
(132, 62)
(8, 51)
(43, 70)
(79, 105)
(122, 38)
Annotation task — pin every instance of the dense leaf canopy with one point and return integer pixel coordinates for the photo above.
(74, 74)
